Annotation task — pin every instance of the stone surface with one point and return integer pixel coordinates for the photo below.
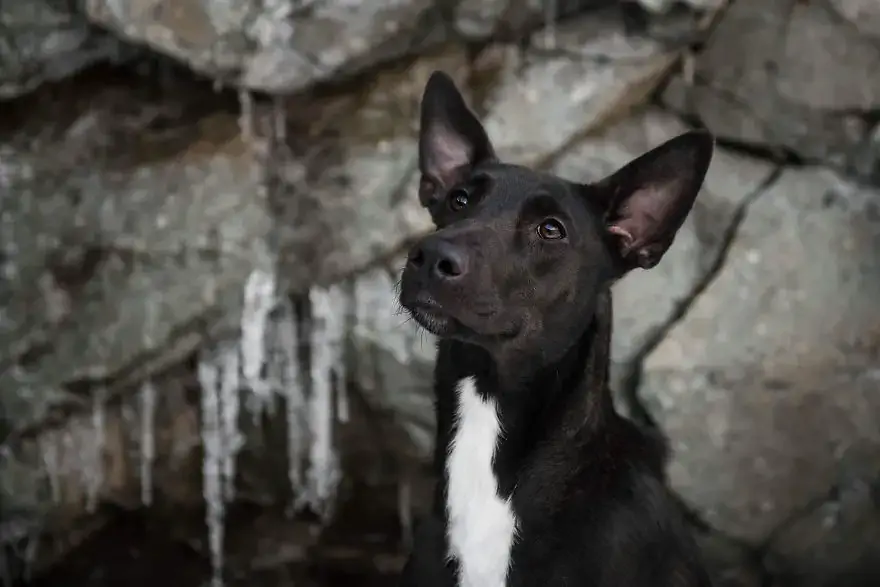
(768, 387)
(182, 211)
(661, 6)
(46, 40)
(137, 200)
(592, 76)
(784, 74)
(47, 478)
(279, 46)
(837, 542)
(645, 300)
(862, 14)
(511, 18)
(349, 177)
(89, 225)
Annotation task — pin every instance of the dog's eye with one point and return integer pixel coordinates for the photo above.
(458, 199)
(551, 229)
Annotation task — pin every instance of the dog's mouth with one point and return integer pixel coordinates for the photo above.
(429, 315)
(432, 321)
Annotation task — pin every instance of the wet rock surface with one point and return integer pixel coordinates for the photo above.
(45, 41)
(202, 362)
(788, 75)
(777, 357)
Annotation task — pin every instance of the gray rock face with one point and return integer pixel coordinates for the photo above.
(93, 227)
(184, 211)
(46, 40)
(138, 204)
(785, 74)
(592, 75)
(862, 14)
(768, 387)
(835, 542)
(277, 46)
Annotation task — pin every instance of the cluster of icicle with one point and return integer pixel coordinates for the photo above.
(265, 363)
(239, 378)
(253, 372)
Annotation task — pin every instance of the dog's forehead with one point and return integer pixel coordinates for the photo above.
(513, 183)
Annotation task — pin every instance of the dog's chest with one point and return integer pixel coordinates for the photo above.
(481, 524)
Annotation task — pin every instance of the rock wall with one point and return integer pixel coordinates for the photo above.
(194, 191)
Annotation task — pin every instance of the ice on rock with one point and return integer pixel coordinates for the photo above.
(75, 453)
(264, 364)
(209, 375)
(49, 451)
(290, 384)
(147, 440)
(259, 300)
(342, 403)
(95, 470)
(229, 410)
(246, 118)
(327, 335)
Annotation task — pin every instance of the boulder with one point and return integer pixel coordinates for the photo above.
(280, 46)
(588, 74)
(45, 41)
(785, 75)
(833, 541)
(767, 387)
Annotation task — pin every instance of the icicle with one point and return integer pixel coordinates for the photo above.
(147, 440)
(212, 443)
(294, 397)
(95, 469)
(404, 511)
(550, 24)
(51, 461)
(259, 299)
(229, 409)
(151, 313)
(342, 402)
(279, 119)
(246, 118)
(328, 319)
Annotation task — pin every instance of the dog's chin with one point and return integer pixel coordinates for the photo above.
(432, 321)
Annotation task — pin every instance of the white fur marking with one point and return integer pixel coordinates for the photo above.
(481, 524)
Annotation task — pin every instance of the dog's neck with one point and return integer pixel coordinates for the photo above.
(568, 399)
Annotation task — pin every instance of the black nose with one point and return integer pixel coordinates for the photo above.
(442, 259)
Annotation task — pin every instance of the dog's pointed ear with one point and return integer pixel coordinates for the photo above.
(451, 139)
(646, 201)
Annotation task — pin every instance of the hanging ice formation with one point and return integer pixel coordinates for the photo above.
(76, 451)
(291, 382)
(212, 461)
(264, 364)
(259, 299)
(95, 470)
(147, 401)
(327, 337)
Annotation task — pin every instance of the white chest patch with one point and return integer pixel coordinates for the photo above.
(481, 524)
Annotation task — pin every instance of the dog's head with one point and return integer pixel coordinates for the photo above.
(519, 256)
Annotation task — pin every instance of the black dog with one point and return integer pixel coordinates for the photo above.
(542, 483)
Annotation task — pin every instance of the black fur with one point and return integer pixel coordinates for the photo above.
(515, 282)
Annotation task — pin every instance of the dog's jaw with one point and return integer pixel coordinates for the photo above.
(435, 323)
